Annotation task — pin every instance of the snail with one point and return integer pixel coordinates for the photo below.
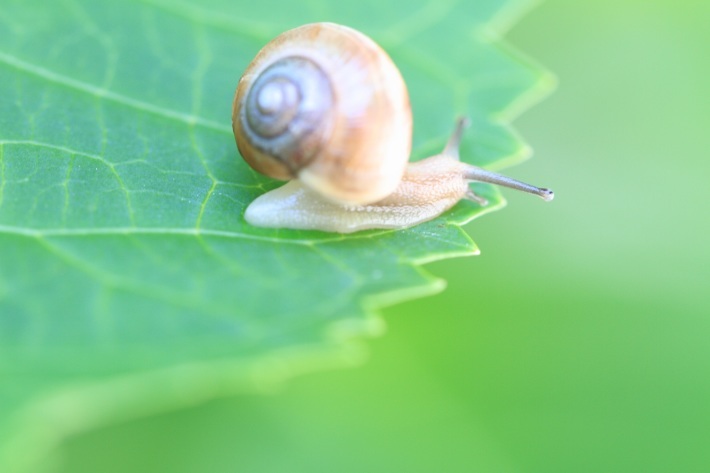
(323, 106)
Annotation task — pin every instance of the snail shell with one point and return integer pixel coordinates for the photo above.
(325, 104)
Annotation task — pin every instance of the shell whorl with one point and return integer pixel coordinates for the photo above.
(286, 111)
(326, 105)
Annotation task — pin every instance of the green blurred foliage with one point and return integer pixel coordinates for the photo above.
(578, 340)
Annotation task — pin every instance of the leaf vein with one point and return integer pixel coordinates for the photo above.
(101, 92)
(427, 16)
(239, 26)
(2, 173)
(203, 161)
(95, 157)
(65, 185)
(205, 59)
(191, 232)
(108, 279)
(93, 30)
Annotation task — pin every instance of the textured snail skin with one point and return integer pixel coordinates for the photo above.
(417, 199)
(358, 151)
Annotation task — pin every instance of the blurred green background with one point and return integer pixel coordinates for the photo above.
(577, 342)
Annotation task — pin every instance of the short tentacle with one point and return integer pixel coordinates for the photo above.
(473, 197)
(452, 146)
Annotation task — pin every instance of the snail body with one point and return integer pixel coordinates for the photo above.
(325, 107)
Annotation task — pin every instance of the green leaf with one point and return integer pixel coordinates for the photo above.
(129, 281)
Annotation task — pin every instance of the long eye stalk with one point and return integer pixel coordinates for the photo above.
(474, 173)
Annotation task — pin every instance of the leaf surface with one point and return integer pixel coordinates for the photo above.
(129, 281)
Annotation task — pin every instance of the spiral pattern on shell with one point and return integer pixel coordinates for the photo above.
(324, 104)
(287, 110)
